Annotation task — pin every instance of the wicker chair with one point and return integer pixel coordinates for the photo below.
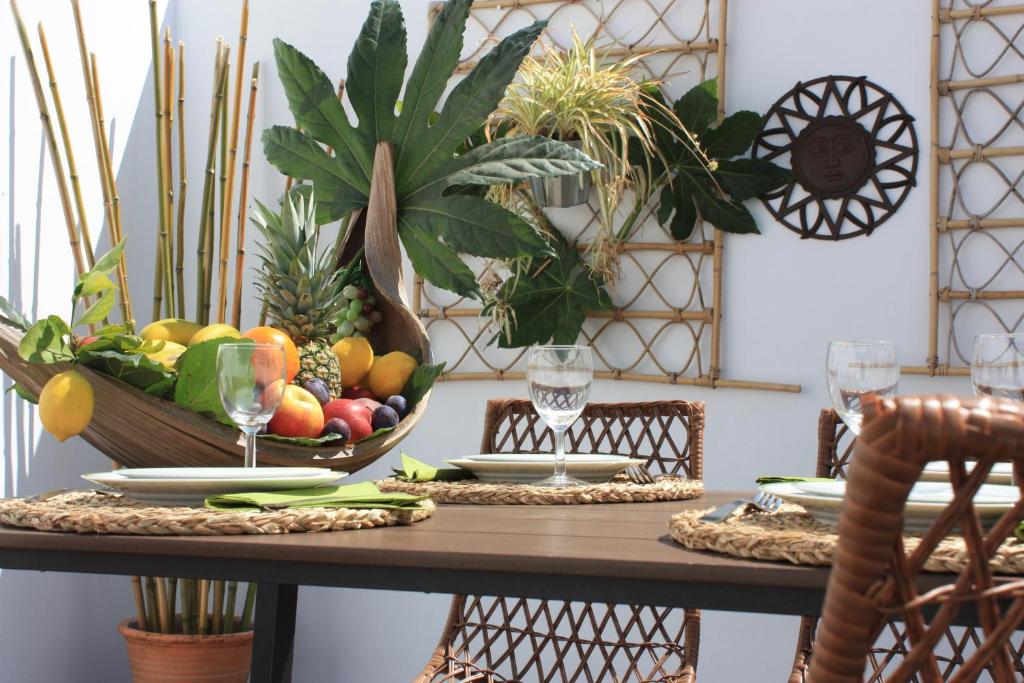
(873, 577)
(836, 444)
(507, 640)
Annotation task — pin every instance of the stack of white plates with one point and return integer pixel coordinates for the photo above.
(192, 485)
(1001, 472)
(927, 500)
(524, 468)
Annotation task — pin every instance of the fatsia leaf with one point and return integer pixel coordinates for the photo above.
(697, 109)
(677, 203)
(98, 310)
(434, 66)
(46, 342)
(465, 110)
(436, 262)
(12, 316)
(315, 106)
(748, 178)
(725, 214)
(472, 225)
(734, 135)
(511, 160)
(297, 155)
(376, 68)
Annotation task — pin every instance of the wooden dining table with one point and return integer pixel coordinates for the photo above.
(616, 553)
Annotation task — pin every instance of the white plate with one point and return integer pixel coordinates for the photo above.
(927, 500)
(524, 468)
(192, 492)
(229, 473)
(1001, 472)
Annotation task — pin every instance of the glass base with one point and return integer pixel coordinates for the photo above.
(556, 481)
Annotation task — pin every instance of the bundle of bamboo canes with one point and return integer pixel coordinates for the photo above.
(205, 607)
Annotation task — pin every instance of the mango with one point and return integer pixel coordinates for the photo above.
(171, 330)
(168, 355)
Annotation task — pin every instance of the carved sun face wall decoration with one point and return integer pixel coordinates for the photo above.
(853, 153)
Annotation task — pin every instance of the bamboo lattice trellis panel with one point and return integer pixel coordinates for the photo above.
(666, 324)
(977, 165)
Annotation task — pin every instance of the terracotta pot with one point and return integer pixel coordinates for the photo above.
(163, 658)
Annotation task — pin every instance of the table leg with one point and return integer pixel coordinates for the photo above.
(275, 633)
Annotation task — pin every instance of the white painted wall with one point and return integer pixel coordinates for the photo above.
(784, 300)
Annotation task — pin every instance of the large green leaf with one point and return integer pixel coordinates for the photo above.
(46, 342)
(677, 203)
(436, 262)
(435, 65)
(734, 135)
(698, 107)
(512, 160)
(196, 388)
(123, 357)
(471, 225)
(465, 110)
(315, 106)
(376, 68)
(99, 309)
(748, 178)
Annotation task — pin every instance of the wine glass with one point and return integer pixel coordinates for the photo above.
(559, 379)
(997, 365)
(856, 370)
(251, 381)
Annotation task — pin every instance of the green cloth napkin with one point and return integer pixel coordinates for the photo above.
(416, 471)
(363, 495)
(783, 480)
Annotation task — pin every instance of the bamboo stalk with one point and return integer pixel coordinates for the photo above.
(946, 154)
(217, 608)
(202, 311)
(981, 223)
(76, 187)
(250, 604)
(970, 83)
(161, 598)
(168, 128)
(229, 608)
(140, 604)
(703, 315)
(172, 599)
(718, 257)
(947, 294)
(179, 266)
(204, 595)
(224, 237)
(154, 610)
(243, 200)
(162, 251)
(703, 381)
(51, 142)
(982, 11)
(243, 37)
(186, 607)
(941, 370)
(933, 199)
(109, 183)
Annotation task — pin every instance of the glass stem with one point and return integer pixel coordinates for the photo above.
(250, 445)
(559, 453)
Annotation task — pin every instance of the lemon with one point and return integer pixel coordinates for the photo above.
(389, 373)
(215, 331)
(355, 356)
(65, 405)
(171, 329)
(168, 355)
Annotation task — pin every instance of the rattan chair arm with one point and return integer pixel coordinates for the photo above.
(439, 658)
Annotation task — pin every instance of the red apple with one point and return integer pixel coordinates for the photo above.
(357, 415)
(370, 403)
(299, 414)
(356, 392)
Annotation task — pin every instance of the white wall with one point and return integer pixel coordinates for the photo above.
(784, 299)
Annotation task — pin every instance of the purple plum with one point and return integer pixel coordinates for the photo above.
(319, 389)
(384, 417)
(398, 404)
(338, 426)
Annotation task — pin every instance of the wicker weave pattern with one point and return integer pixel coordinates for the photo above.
(505, 640)
(873, 577)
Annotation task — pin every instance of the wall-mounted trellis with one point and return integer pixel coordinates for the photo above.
(666, 323)
(977, 168)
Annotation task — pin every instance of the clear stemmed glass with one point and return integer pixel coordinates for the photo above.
(857, 369)
(251, 381)
(559, 379)
(997, 365)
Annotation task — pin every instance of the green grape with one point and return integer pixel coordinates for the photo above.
(358, 334)
(346, 329)
(362, 324)
(351, 315)
(350, 292)
(356, 306)
(372, 300)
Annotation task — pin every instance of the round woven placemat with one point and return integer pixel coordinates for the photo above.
(792, 535)
(92, 512)
(473, 492)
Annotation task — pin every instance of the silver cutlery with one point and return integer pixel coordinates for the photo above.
(765, 502)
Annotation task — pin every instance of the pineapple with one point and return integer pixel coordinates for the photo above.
(302, 292)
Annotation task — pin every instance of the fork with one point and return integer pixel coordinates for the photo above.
(765, 502)
(639, 475)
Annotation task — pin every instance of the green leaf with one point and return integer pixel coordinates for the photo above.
(734, 135)
(46, 342)
(697, 109)
(466, 109)
(677, 202)
(297, 155)
(92, 283)
(434, 66)
(376, 69)
(12, 316)
(725, 215)
(748, 178)
(435, 262)
(511, 160)
(303, 440)
(123, 357)
(109, 261)
(99, 309)
(116, 329)
(196, 388)
(23, 393)
(420, 382)
(472, 225)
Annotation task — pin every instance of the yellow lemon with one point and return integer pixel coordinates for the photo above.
(355, 356)
(65, 405)
(389, 373)
(171, 329)
(168, 355)
(215, 331)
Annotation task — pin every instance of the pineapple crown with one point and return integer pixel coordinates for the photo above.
(301, 289)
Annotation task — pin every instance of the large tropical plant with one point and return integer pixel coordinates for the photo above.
(439, 216)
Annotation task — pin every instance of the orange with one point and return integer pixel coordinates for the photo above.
(272, 335)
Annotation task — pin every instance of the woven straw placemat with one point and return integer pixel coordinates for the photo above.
(93, 512)
(619, 490)
(792, 535)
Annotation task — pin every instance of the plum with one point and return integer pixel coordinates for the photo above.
(319, 389)
(338, 426)
(384, 417)
(398, 404)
